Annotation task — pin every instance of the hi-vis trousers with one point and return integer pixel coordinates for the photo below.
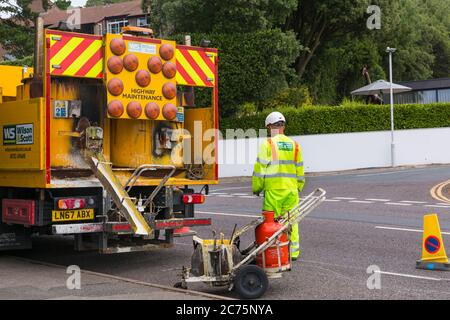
(280, 201)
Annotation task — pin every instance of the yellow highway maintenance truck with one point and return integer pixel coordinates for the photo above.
(99, 142)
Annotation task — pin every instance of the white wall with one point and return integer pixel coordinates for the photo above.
(346, 151)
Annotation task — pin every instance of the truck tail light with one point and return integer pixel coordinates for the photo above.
(71, 203)
(194, 198)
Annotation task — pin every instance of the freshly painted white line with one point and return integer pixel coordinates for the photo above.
(360, 201)
(332, 200)
(344, 198)
(436, 206)
(406, 229)
(414, 202)
(398, 204)
(228, 214)
(410, 276)
(381, 200)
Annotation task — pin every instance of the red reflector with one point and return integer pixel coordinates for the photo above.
(71, 203)
(197, 222)
(195, 198)
(168, 224)
(18, 211)
(121, 227)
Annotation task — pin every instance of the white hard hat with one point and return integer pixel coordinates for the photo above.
(274, 117)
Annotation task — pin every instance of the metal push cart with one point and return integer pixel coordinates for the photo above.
(220, 262)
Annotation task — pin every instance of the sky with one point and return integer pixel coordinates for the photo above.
(75, 3)
(78, 3)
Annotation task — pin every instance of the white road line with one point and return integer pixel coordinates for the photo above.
(443, 203)
(344, 198)
(217, 193)
(414, 202)
(332, 200)
(240, 194)
(381, 200)
(228, 214)
(406, 229)
(248, 197)
(360, 201)
(436, 206)
(398, 204)
(231, 188)
(225, 196)
(410, 276)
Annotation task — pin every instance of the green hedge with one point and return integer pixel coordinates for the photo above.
(355, 118)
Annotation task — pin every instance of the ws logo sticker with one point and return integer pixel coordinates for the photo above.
(18, 134)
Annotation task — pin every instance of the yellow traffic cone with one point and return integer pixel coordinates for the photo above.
(433, 251)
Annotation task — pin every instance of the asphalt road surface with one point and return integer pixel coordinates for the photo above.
(370, 218)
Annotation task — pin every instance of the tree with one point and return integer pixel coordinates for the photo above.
(331, 64)
(316, 21)
(62, 4)
(94, 3)
(17, 28)
(233, 16)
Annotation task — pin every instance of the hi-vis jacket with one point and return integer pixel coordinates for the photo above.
(279, 165)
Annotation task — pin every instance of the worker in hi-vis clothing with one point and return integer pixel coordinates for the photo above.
(279, 172)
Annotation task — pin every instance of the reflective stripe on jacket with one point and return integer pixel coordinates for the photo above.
(279, 165)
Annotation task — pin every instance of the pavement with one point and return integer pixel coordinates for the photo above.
(24, 279)
(371, 220)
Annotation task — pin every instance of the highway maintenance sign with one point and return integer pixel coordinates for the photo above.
(433, 251)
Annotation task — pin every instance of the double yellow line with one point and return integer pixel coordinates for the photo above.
(436, 191)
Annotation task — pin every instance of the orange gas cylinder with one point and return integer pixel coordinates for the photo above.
(276, 257)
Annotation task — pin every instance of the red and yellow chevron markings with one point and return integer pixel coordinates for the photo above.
(75, 55)
(195, 66)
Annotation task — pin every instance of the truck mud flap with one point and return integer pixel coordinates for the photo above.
(14, 238)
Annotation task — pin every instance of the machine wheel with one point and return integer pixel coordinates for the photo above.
(251, 282)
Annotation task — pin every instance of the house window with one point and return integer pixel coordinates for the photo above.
(142, 21)
(115, 26)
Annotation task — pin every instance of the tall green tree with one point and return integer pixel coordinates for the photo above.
(232, 16)
(331, 67)
(16, 27)
(94, 3)
(317, 21)
(62, 4)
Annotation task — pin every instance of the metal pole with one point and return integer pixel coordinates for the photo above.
(390, 51)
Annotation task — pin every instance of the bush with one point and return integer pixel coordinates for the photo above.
(352, 118)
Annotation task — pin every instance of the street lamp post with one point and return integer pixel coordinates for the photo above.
(391, 51)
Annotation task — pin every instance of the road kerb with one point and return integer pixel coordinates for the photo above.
(143, 283)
